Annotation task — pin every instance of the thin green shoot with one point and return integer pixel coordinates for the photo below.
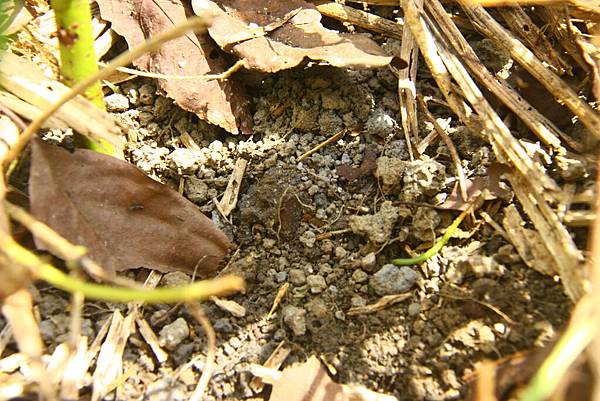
(436, 247)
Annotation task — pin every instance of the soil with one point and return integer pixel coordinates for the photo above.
(296, 223)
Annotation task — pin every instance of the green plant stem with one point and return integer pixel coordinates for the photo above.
(435, 248)
(78, 57)
(572, 343)
(122, 60)
(76, 46)
(199, 290)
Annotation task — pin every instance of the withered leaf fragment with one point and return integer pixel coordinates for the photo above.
(275, 35)
(124, 218)
(221, 103)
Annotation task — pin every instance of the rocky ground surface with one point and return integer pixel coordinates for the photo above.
(329, 226)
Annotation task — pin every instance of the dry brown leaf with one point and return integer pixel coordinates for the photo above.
(222, 103)
(124, 218)
(306, 381)
(489, 186)
(275, 35)
(309, 381)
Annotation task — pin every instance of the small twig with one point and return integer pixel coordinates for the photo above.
(279, 211)
(361, 18)
(278, 297)
(326, 142)
(330, 234)
(121, 61)
(482, 303)
(205, 77)
(453, 153)
(207, 369)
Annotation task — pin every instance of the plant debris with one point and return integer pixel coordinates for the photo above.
(272, 36)
(125, 219)
(222, 103)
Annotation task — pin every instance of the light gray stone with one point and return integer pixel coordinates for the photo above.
(116, 103)
(391, 279)
(295, 319)
(173, 334)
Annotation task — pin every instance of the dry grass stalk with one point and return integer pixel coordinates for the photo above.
(521, 24)
(447, 65)
(26, 81)
(109, 366)
(557, 23)
(451, 148)
(530, 181)
(381, 304)
(28, 111)
(208, 368)
(151, 339)
(529, 243)
(274, 361)
(558, 240)
(326, 142)
(556, 86)
(230, 197)
(579, 218)
(407, 91)
(436, 65)
(586, 5)
(361, 18)
(543, 128)
(74, 372)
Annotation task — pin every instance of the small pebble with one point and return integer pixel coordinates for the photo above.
(316, 283)
(281, 276)
(391, 279)
(173, 334)
(175, 279)
(414, 309)
(185, 161)
(297, 277)
(359, 276)
(340, 252)
(357, 301)
(147, 94)
(295, 319)
(369, 262)
(116, 103)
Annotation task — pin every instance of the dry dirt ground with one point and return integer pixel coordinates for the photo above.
(295, 224)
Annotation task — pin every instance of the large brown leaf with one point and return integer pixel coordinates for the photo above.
(257, 31)
(124, 218)
(222, 103)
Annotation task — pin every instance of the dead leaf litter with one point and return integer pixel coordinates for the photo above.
(314, 238)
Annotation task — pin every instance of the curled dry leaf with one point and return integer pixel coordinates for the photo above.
(274, 35)
(124, 218)
(222, 103)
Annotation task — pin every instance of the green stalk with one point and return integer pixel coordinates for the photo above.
(78, 59)
(199, 290)
(435, 248)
